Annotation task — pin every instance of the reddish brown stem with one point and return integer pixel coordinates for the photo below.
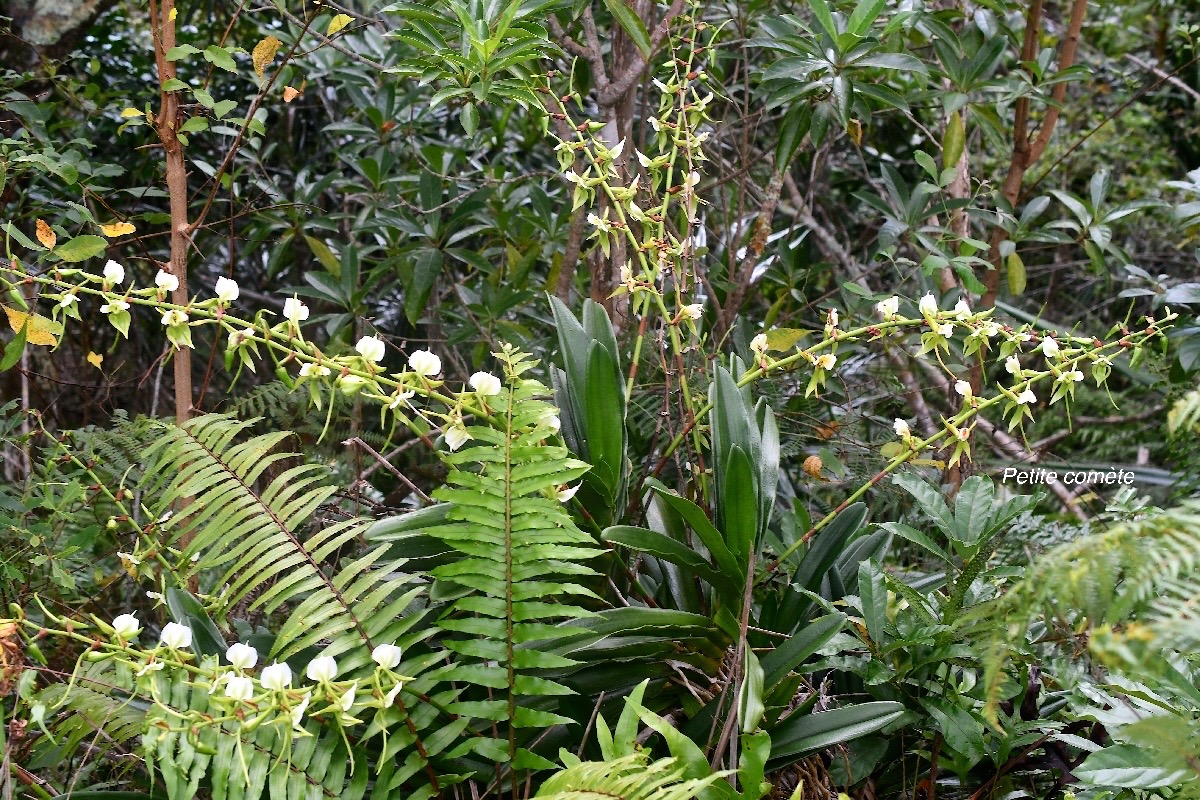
(166, 125)
(1026, 152)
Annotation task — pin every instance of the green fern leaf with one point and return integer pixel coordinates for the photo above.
(626, 778)
(520, 569)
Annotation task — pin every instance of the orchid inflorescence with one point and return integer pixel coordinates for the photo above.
(1065, 357)
(272, 695)
(359, 374)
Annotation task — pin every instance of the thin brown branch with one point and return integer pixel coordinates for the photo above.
(595, 54)
(566, 41)
(1166, 77)
(570, 258)
(613, 93)
(412, 487)
(912, 392)
(745, 274)
(1026, 152)
(346, 51)
(1077, 422)
(227, 162)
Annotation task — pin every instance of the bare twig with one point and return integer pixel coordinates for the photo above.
(1076, 422)
(1168, 77)
(355, 441)
(346, 51)
(912, 392)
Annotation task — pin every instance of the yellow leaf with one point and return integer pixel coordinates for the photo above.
(95, 359)
(290, 94)
(45, 235)
(337, 23)
(854, 129)
(780, 339)
(328, 260)
(130, 112)
(174, 13)
(114, 229)
(264, 53)
(41, 331)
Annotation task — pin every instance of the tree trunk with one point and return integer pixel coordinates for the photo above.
(166, 123)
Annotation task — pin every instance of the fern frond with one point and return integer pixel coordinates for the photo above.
(259, 536)
(114, 450)
(1184, 416)
(89, 713)
(522, 558)
(1137, 585)
(1144, 569)
(627, 778)
(252, 531)
(272, 400)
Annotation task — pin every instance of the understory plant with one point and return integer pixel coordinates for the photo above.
(457, 645)
(611, 530)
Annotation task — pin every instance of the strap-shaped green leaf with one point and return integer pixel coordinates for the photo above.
(666, 548)
(799, 735)
(632, 24)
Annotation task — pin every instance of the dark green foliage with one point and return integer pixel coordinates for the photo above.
(700, 533)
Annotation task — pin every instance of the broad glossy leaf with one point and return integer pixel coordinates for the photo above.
(698, 521)
(873, 595)
(81, 248)
(604, 411)
(632, 24)
(973, 509)
(740, 504)
(916, 537)
(962, 730)
(827, 545)
(750, 693)
(930, 500)
(752, 765)
(823, 16)
(220, 57)
(798, 736)
(795, 649)
(427, 265)
(864, 14)
(1130, 767)
(664, 547)
(187, 610)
